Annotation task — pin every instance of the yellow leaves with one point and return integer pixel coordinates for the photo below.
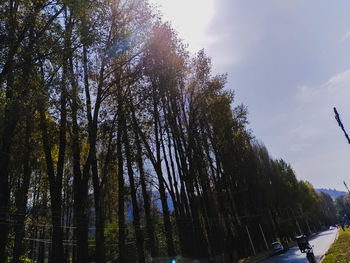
(85, 146)
(54, 153)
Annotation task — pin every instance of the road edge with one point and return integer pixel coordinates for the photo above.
(335, 239)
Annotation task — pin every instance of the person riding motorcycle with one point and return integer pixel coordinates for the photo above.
(305, 247)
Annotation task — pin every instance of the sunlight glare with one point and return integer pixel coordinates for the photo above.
(189, 18)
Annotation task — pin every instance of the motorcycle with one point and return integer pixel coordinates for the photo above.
(305, 247)
(310, 255)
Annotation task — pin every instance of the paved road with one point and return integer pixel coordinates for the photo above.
(321, 243)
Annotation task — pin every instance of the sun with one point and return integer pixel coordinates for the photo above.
(190, 18)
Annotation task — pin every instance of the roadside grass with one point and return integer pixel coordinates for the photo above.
(340, 250)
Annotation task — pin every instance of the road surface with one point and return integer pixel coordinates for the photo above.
(321, 244)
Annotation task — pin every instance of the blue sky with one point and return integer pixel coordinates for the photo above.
(289, 62)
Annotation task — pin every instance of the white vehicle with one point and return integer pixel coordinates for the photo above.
(277, 248)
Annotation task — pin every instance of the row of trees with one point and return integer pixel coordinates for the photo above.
(103, 111)
(342, 209)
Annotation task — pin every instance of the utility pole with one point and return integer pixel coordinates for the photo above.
(263, 235)
(251, 241)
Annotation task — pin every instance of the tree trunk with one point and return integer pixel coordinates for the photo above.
(57, 231)
(56, 189)
(81, 221)
(135, 208)
(10, 122)
(4, 199)
(121, 195)
(55, 192)
(100, 254)
(22, 197)
(41, 257)
(158, 168)
(146, 199)
(166, 215)
(80, 176)
(80, 186)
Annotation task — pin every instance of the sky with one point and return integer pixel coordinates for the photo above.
(288, 61)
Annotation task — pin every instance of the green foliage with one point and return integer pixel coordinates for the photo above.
(339, 251)
(328, 209)
(342, 204)
(24, 259)
(111, 235)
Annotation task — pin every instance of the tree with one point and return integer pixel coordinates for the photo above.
(328, 208)
(23, 30)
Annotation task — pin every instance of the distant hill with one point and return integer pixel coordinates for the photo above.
(332, 192)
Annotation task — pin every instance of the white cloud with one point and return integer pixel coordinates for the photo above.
(296, 147)
(317, 147)
(345, 36)
(307, 135)
(269, 48)
(336, 91)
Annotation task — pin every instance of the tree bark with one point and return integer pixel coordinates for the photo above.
(7, 136)
(80, 176)
(156, 162)
(80, 186)
(135, 210)
(121, 194)
(21, 197)
(11, 117)
(100, 254)
(55, 193)
(146, 199)
(158, 168)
